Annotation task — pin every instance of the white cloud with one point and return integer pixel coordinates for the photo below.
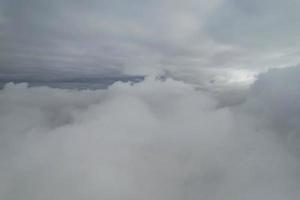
(150, 140)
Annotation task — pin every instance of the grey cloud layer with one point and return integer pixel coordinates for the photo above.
(151, 140)
(265, 23)
(82, 38)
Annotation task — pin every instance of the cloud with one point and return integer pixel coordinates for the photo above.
(73, 38)
(196, 131)
(266, 32)
(156, 139)
(67, 39)
(274, 98)
(264, 24)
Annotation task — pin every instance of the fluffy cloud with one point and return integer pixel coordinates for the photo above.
(157, 139)
(273, 99)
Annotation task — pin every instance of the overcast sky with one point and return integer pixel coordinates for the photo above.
(193, 110)
(45, 39)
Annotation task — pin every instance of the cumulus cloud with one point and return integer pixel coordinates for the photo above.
(156, 139)
(273, 98)
(194, 128)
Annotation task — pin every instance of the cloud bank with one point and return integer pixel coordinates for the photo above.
(156, 139)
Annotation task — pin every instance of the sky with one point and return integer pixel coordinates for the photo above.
(149, 100)
(202, 40)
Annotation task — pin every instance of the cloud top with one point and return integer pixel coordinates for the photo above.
(156, 139)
